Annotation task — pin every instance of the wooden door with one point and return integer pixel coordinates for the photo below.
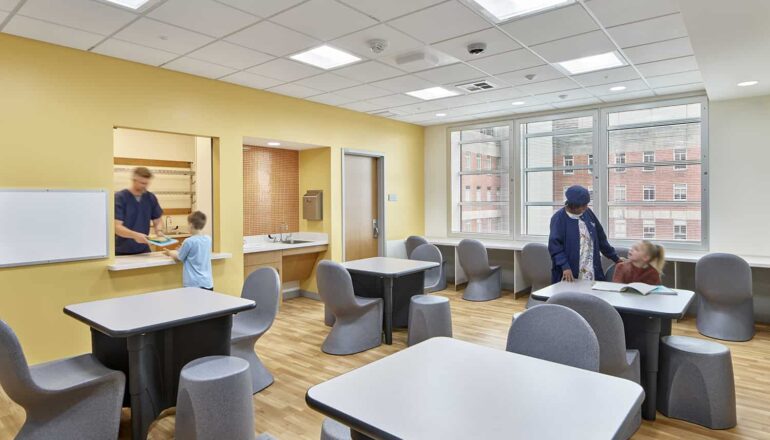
(361, 207)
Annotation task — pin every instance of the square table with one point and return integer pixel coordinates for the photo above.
(448, 389)
(150, 337)
(392, 279)
(645, 318)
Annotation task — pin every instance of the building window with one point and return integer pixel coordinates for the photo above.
(620, 158)
(648, 157)
(620, 193)
(590, 163)
(472, 211)
(648, 193)
(680, 191)
(648, 232)
(680, 230)
(680, 155)
(569, 161)
(620, 229)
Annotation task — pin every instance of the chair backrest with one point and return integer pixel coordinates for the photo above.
(429, 252)
(15, 376)
(723, 278)
(557, 334)
(606, 262)
(412, 243)
(263, 286)
(606, 323)
(473, 257)
(536, 265)
(335, 287)
(610, 272)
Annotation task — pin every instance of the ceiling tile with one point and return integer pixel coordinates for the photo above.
(386, 10)
(148, 32)
(626, 96)
(630, 86)
(285, 70)
(294, 90)
(510, 93)
(576, 103)
(649, 31)
(452, 74)
(402, 84)
(533, 109)
(440, 22)
(368, 71)
(272, 39)
(84, 15)
(678, 47)
(496, 41)
(551, 25)
(134, 52)
(393, 100)
(675, 79)
(591, 43)
(440, 58)
(8, 5)
(557, 96)
(251, 80)
(230, 55)
(606, 76)
(542, 73)
(51, 33)
(506, 62)
(458, 101)
(420, 107)
(361, 106)
(199, 68)
(614, 12)
(357, 42)
(665, 67)
(3, 15)
(684, 88)
(553, 85)
(323, 19)
(262, 8)
(330, 99)
(328, 82)
(203, 16)
(362, 92)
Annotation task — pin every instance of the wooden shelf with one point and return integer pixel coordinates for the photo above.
(177, 211)
(151, 162)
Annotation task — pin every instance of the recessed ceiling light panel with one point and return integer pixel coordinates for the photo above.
(325, 57)
(502, 10)
(617, 88)
(747, 83)
(432, 93)
(591, 63)
(131, 4)
(440, 115)
(274, 144)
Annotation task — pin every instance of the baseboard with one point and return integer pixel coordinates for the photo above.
(293, 293)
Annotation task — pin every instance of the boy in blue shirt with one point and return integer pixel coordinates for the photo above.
(195, 254)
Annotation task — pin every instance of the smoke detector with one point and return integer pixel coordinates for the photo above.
(477, 86)
(377, 45)
(530, 76)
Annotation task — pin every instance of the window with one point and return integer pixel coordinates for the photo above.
(680, 230)
(680, 155)
(680, 191)
(619, 227)
(648, 193)
(649, 157)
(591, 163)
(472, 212)
(547, 146)
(569, 161)
(620, 193)
(651, 143)
(648, 232)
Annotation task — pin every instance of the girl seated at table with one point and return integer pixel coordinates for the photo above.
(644, 265)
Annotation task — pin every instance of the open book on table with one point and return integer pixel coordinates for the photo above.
(641, 288)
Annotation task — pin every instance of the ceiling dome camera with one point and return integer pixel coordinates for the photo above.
(477, 48)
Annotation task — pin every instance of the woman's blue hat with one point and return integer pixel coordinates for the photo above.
(578, 195)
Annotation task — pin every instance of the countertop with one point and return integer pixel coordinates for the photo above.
(152, 259)
(260, 243)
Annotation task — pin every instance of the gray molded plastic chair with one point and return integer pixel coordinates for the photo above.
(73, 398)
(606, 262)
(725, 304)
(263, 286)
(413, 242)
(695, 382)
(610, 272)
(435, 279)
(358, 321)
(429, 316)
(214, 401)
(484, 281)
(557, 334)
(536, 267)
(334, 430)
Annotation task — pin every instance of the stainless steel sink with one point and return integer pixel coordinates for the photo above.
(296, 241)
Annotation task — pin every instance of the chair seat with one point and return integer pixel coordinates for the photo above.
(246, 329)
(334, 430)
(695, 345)
(494, 268)
(69, 373)
(429, 299)
(631, 356)
(367, 301)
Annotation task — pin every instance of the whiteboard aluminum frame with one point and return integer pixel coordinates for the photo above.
(65, 260)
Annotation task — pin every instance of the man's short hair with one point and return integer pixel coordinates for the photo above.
(143, 172)
(197, 219)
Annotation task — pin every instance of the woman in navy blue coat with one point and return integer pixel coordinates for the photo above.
(576, 240)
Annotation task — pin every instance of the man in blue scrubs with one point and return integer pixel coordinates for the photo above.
(135, 209)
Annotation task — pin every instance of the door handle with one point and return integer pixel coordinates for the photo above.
(375, 229)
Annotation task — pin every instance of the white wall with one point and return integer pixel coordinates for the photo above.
(436, 194)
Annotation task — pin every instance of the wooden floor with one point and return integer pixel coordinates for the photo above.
(291, 350)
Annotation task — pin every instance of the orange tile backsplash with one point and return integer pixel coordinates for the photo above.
(270, 190)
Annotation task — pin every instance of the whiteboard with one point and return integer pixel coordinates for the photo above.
(40, 226)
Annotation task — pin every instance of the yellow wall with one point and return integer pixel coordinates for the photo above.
(58, 108)
(315, 173)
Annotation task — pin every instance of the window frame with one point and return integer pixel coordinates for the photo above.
(653, 190)
(673, 194)
(648, 168)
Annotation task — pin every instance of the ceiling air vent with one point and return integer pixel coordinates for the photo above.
(477, 86)
(385, 113)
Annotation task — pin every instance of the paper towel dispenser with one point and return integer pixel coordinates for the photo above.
(312, 205)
